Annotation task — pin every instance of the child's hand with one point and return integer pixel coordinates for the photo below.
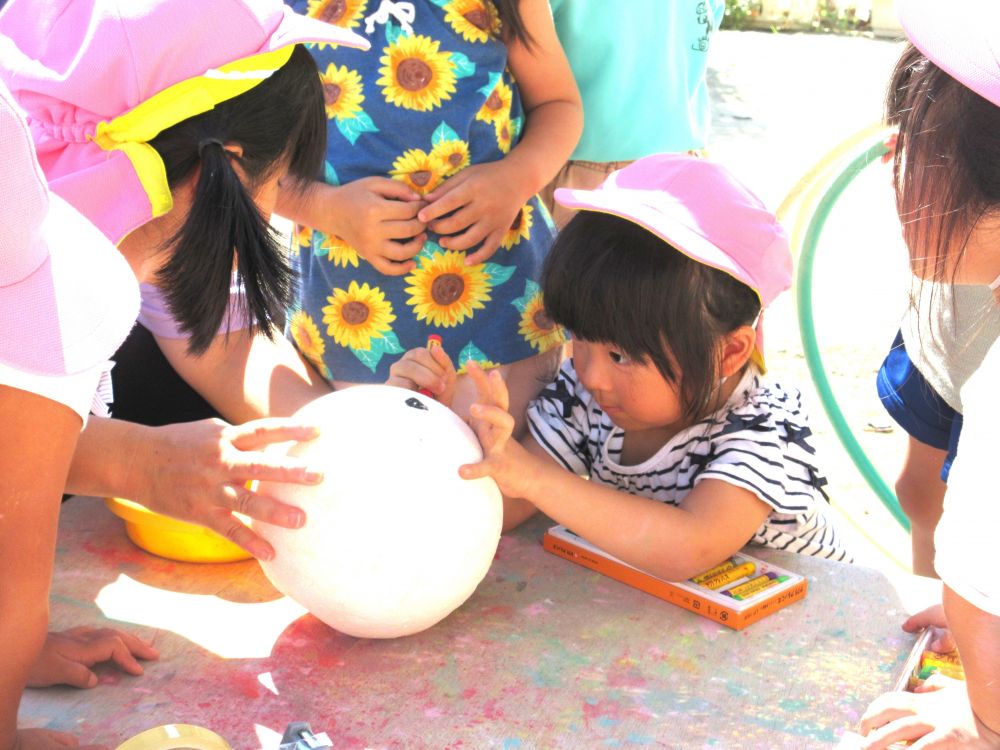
(933, 617)
(377, 216)
(504, 458)
(484, 207)
(939, 716)
(67, 656)
(426, 367)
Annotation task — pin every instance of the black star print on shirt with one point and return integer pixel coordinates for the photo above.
(798, 436)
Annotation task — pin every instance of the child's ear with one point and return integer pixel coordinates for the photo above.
(736, 348)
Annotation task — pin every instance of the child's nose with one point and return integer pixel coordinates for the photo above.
(593, 377)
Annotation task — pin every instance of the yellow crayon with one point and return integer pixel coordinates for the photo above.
(741, 590)
(948, 670)
(729, 576)
(720, 568)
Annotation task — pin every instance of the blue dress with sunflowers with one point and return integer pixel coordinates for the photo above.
(431, 97)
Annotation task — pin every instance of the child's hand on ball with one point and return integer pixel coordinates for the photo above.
(426, 368)
(504, 459)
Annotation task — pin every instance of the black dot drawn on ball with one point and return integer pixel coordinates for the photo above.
(416, 403)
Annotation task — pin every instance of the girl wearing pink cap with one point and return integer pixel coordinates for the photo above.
(690, 453)
(67, 299)
(171, 137)
(945, 97)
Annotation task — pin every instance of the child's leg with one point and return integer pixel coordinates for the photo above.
(920, 491)
(933, 428)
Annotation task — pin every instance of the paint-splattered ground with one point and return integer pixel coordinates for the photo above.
(545, 654)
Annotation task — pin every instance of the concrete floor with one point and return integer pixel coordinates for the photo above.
(780, 103)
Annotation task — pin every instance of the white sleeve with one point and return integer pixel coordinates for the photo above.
(155, 315)
(559, 423)
(966, 536)
(81, 391)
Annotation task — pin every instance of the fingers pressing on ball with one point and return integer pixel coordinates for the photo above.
(426, 368)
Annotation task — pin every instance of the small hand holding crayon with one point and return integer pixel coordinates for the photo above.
(68, 655)
(428, 370)
(504, 458)
(939, 717)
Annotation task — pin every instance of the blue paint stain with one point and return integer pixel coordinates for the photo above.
(793, 705)
(510, 743)
(639, 739)
(607, 722)
(737, 690)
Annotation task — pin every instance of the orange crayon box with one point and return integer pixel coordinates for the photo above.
(693, 594)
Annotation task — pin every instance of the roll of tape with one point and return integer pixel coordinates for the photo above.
(176, 737)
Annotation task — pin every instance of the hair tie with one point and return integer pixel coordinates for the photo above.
(208, 142)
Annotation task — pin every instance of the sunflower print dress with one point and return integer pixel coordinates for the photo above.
(431, 97)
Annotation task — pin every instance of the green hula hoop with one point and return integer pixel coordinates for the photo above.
(807, 330)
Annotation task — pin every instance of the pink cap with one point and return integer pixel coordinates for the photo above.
(67, 297)
(961, 38)
(700, 209)
(78, 67)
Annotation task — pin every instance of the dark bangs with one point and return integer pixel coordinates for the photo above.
(609, 280)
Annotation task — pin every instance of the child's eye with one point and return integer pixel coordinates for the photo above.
(619, 358)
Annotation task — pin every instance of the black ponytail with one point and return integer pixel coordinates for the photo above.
(280, 126)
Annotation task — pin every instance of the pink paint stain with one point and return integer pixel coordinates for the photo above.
(247, 684)
(592, 712)
(468, 693)
(492, 711)
(500, 611)
(433, 712)
(533, 610)
(710, 630)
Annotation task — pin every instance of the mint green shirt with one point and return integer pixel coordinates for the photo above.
(640, 65)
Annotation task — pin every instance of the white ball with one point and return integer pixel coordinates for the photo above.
(394, 539)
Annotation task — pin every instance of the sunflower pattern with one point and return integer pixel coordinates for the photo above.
(520, 228)
(537, 327)
(308, 340)
(416, 74)
(344, 13)
(475, 20)
(428, 101)
(418, 169)
(335, 249)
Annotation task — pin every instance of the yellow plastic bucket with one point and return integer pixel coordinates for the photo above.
(173, 539)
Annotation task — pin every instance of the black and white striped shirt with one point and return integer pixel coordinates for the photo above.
(757, 441)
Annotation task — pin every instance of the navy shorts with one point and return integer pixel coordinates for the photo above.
(916, 406)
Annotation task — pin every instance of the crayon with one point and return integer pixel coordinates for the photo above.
(714, 571)
(945, 658)
(756, 586)
(729, 576)
(432, 341)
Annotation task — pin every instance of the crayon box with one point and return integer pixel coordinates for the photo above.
(736, 593)
(923, 662)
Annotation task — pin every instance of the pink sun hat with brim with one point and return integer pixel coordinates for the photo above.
(99, 79)
(962, 37)
(67, 296)
(698, 207)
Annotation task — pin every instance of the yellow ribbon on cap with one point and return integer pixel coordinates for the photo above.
(132, 131)
(176, 737)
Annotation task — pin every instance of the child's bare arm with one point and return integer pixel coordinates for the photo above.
(716, 519)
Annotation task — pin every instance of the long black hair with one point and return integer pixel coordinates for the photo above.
(280, 124)
(609, 280)
(513, 28)
(947, 161)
